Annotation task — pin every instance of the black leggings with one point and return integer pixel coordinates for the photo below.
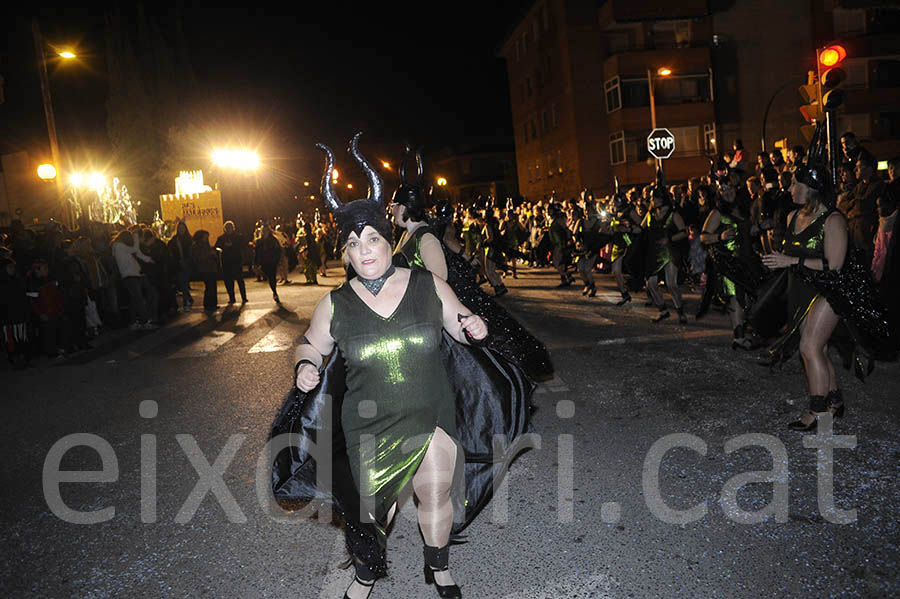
(269, 271)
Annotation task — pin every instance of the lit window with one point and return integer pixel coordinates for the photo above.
(554, 116)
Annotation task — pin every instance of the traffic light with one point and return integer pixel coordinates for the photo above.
(829, 79)
(811, 108)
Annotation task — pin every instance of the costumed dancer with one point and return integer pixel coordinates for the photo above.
(723, 237)
(423, 247)
(665, 229)
(625, 225)
(591, 241)
(826, 285)
(388, 397)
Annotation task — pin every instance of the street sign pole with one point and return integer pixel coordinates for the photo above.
(661, 145)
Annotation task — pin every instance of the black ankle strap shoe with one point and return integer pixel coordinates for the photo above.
(437, 559)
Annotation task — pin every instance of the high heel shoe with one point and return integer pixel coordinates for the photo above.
(817, 405)
(437, 559)
(836, 403)
(361, 583)
(625, 299)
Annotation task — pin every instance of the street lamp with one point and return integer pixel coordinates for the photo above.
(242, 160)
(386, 164)
(441, 181)
(67, 54)
(46, 172)
(661, 72)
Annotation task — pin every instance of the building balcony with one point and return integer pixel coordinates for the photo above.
(679, 60)
(616, 12)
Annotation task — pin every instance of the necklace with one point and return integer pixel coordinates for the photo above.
(375, 285)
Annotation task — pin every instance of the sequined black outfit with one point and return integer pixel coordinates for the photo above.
(864, 333)
(507, 336)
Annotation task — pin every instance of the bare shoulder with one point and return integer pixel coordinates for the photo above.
(836, 222)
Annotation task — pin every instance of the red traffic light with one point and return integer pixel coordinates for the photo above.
(832, 55)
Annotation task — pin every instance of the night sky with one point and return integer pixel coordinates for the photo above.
(284, 78)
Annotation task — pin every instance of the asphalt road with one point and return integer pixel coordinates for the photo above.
(580, 516)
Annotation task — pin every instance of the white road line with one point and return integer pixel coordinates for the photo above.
(204, 346)
(663, 337)
(248, 317)
(554, 385)
(281, 338)
(149, 342)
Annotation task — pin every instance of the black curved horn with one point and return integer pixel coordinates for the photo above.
(328, 192)
(376, 187)
(420, 177)
(403, 165)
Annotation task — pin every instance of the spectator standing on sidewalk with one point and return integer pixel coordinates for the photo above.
(232, 245)
(268, 255)
(143, 297)
(159, 271)
(182, 262)
(14, 311)
(862, 214)
(206, 263)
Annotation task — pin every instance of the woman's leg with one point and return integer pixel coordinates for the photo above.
(432, 483)
(671, 272)
(814, 334)
(655, 294)
(619, 275)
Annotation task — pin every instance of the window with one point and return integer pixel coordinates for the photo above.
(530, 174)
(857, 123)
(635, 93)
(549, 62)
(709, 138)
(533, 130)
(537, 170)
(539, 77)
(887, 125)
(549, 166)
(545, 122)
(687, 140)
(522, 92)
(537, 32)
(617, 147)
(683, 89)
(849, 21)
(682, 33)
(857, 70)
(528, 86)
(613, 95)
(559, 166)
(554, 116)
(884, 73)
(524, 43)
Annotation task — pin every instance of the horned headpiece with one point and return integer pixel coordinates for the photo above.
(354, 216)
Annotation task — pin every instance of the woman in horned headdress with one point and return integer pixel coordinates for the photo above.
(384, 332)
(421, 247)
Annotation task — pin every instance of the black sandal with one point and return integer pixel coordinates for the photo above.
(437, 559)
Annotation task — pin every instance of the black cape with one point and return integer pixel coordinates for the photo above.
(492, 411)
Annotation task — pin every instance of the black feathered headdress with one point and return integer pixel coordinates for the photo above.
(354, 216)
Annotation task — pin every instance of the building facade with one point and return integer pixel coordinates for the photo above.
(472, 171)
(580, 75)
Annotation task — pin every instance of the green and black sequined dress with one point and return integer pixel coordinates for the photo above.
(658, 256)
(397, 387)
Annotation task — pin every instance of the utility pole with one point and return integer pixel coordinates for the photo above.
(51, 120)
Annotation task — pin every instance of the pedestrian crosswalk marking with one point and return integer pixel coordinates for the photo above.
(281, 338)
(554, 385)
(697, 334)
(205, 345)
(148, 343)
(248, 317)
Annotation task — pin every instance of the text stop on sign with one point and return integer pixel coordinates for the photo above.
(661, 143)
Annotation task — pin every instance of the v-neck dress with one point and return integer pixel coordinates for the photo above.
(397, 387)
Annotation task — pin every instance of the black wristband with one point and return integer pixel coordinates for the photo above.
(301, 363)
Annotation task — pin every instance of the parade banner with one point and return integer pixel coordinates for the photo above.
(198, 210)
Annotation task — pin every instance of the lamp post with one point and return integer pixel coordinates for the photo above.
(662, 72)
(48, 112)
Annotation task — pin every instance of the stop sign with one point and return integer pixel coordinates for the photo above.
(661, 143)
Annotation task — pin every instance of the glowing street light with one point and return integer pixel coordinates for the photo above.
(664, 71)
(335, 175)
(46, 172)
(97, 180)
(306, 184)
(386, 164)
(76, 179)
(441, 181)
(241, 160)
(349, 185)
(67, 54)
